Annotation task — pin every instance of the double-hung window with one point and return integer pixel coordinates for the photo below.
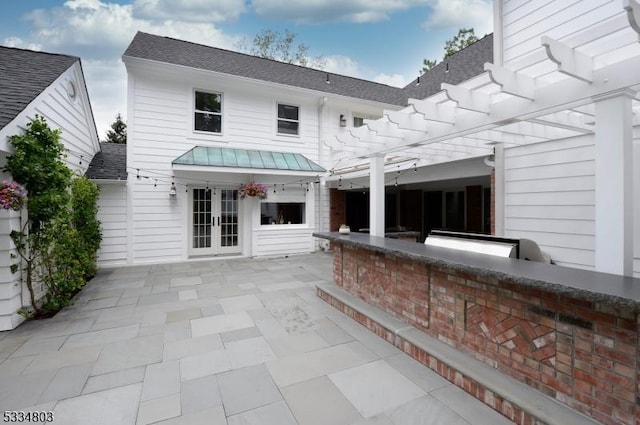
(208, 112)
(288, 119)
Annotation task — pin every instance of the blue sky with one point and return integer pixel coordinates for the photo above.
(380, 40)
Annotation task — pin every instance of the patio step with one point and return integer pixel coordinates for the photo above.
(517, 401)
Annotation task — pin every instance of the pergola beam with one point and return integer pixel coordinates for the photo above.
(551, 98)
(569, 60)
(510, 82)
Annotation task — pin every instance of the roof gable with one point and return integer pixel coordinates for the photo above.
(26, 74)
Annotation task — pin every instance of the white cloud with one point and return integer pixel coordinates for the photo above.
(99, 33)
(395, 80)
(189, 10)
(343, 65)
(316, 11)
(20, 43)
(477, 14)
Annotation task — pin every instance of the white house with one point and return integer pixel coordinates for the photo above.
(202, 121)
(511, 145)
(52, 86)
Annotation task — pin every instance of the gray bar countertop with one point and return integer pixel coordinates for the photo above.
(620, 291)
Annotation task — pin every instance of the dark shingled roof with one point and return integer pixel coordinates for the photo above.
(169, 50)
(110, 163)
(24, 74)
(463, 65)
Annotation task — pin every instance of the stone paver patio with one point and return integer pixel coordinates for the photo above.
(237, 342)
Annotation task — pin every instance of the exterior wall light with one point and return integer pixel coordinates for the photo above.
(173, 193)
(343, 121)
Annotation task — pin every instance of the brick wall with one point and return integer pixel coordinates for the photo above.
(582, 353)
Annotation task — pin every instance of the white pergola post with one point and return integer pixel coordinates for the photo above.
(498, 202)
(614, 183)
(376, 196)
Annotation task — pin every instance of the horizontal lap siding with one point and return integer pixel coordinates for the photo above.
(161, 130)
(283, 241)
(112, 213)
(550, 198)
(526, 21)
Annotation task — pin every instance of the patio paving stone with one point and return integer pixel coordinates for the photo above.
(200, 394)
(220, 342)
(362, 387)
(272, 414)
(319, 402)
(247, 388)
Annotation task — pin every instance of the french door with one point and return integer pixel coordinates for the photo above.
(214, 222)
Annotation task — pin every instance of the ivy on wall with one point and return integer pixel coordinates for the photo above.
(59, 241)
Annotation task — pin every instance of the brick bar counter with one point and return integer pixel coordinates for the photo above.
(570, 334)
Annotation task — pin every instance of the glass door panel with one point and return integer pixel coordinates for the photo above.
(201, 220)
(229, 241)
(215, 222)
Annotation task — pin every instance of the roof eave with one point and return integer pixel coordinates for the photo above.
(133, 60)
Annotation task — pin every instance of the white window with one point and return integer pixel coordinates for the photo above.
(284, 207)
(288, 119)
(208, 112)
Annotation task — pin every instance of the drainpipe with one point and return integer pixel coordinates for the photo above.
(321, 158)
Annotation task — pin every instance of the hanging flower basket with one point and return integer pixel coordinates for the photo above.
(253, 189)
(12, 195)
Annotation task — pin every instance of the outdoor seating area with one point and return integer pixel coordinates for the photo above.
(236, 341)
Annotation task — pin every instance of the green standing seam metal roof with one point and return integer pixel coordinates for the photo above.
(243, 158)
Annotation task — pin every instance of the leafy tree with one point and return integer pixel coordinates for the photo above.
(464, 38)
(37, 164)
(428, 64)
(118, 132)
(59, 241)
(274, 45)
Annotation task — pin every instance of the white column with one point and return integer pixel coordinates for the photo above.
(499, 188)
(376, 196)
(614, 184)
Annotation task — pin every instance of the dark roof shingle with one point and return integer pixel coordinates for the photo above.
(110, 163)
(24, 74)
(170, 50)
(459, 67)
(463, 65)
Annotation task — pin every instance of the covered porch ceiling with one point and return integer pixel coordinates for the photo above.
(545, 95)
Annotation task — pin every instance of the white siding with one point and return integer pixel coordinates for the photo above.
(525, 21)
(10, 290)
(161, 129)
(112, 213)
(283, 241)
(72, 116)
(550, 198)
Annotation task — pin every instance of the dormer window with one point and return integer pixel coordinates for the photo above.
(208, 112)
(288, 119)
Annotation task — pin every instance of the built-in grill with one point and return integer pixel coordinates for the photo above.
(524, 249)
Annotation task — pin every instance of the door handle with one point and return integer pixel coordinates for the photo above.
(218, 221)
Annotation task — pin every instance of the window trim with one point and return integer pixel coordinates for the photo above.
(194, 111)
(278, 103)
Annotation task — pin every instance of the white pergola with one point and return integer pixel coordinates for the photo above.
(584, 83)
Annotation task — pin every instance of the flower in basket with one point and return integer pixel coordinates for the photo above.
(12, 195)
(253, 189)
